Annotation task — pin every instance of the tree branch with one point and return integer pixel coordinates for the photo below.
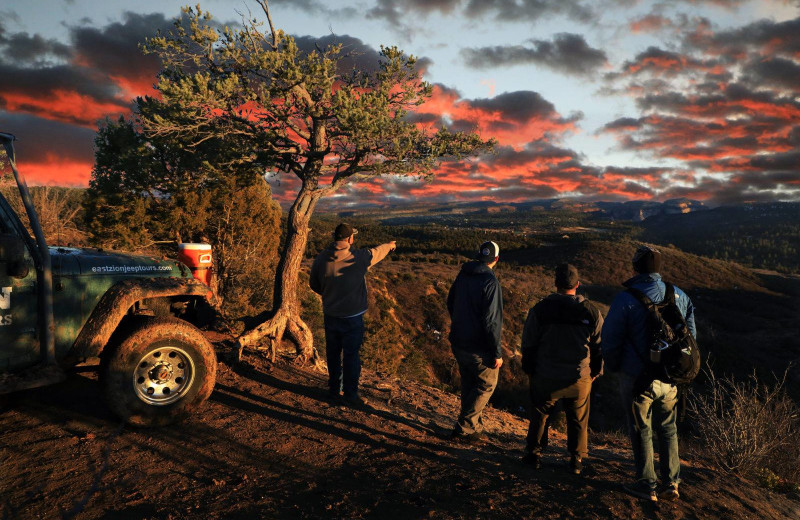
(265, 6)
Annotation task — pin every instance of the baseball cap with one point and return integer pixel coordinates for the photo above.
(488, 251)
(344, 231)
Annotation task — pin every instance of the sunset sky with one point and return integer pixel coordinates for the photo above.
(594, 99)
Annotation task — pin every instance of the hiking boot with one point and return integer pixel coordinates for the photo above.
(468, 438)
(641, 489)
(355, 401)
(669, 492)
(533, 460)
(576, 465)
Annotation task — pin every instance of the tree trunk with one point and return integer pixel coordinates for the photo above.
(285, 319)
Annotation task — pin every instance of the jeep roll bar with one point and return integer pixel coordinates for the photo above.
(41, 256)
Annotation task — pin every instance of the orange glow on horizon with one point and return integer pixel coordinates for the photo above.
(56, 172)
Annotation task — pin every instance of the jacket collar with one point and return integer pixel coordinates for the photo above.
(476, 267)
(642, 279)
(564, 297)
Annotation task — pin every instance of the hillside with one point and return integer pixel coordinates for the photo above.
(765, 235)
(269, 445)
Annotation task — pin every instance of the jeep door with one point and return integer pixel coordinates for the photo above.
(19, 315)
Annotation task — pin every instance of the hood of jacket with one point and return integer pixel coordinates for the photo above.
(640, 279)
(340, 250)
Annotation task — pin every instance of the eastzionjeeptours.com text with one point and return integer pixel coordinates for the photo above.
(130, 268)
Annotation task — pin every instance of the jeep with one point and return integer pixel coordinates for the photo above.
(62, 306)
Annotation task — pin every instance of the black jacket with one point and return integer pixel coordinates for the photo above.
(475, 304)
(561, 339)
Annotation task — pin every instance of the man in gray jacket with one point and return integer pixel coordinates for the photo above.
(475, 303)
(338, 276)
(561, 354)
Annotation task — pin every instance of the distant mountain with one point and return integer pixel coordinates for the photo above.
(635, 210)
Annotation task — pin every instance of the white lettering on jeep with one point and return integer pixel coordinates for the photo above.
(131, 268)
(5, 298)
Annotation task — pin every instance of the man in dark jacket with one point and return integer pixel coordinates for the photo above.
(475, 303)
(338, 275)
(561, 354)
(650, 404)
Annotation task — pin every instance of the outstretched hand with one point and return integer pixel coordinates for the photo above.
(393, 244)
(498, 363)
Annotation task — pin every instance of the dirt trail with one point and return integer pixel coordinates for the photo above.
(269, 445)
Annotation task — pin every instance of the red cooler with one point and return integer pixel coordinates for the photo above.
(198, 258)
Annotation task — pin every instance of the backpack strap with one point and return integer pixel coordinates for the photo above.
(641, 297)
(669, 294)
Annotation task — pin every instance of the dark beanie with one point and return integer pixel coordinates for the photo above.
(566, 276)
(647, 260)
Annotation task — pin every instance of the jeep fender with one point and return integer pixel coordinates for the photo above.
(117, 301)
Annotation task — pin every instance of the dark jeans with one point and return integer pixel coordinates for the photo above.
(545, 394)
(343, 338)
(478, 382)
(655, 409)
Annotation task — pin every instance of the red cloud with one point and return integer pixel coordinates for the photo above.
(62, 105)
(491, 121)
(649, 23)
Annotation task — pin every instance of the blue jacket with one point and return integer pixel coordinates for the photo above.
(475, 303)
(624, 338)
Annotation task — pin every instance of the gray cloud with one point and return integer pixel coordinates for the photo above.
(37, 137)
(23, 49)
(114, 48)
(568, 53)
(518, 106)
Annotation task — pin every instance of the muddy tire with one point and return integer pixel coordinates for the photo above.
(158, 372)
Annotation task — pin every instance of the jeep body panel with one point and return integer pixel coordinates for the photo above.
(83, 277)
(115, 303)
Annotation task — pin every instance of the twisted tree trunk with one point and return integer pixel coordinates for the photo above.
(285, 320)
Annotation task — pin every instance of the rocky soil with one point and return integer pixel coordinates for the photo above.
(269, 444)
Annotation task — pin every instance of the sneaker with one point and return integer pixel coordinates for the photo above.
(669, 492)
(640, 489)
(533, 460)
(576, 465)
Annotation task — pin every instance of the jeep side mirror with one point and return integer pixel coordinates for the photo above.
(12, 255)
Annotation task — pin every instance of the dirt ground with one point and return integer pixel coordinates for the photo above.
(269, 444)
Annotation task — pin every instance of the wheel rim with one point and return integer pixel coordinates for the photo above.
(163, 375)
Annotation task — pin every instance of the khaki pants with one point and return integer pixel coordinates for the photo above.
(477, 385)
(545, 393)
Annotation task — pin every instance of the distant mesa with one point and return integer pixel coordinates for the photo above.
(634, 210)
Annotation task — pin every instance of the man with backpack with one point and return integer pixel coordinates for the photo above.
(648, 337)
(475, 304)
(561, 354)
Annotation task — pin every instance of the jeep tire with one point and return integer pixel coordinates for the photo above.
(158, 371)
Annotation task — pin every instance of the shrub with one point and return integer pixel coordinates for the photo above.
(749, 427)
(58, 210)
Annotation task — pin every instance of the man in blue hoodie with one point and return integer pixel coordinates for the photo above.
(475, 304)
(650, 404)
